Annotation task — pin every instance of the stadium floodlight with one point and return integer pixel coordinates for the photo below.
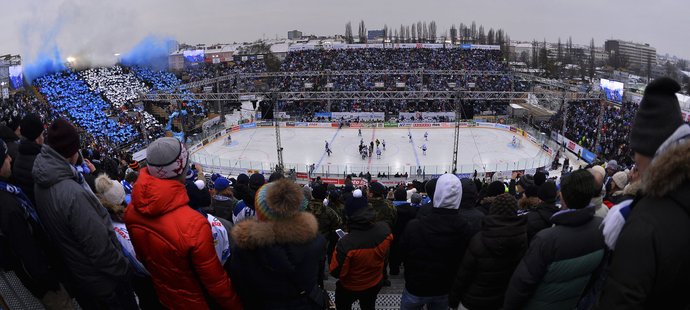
(71, 59)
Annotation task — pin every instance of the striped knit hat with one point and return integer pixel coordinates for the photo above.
(279, 200)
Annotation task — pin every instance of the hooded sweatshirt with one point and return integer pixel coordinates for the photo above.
(433, 246)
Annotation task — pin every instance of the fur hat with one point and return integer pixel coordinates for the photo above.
(504, 205)
(63, 138)
(31, 126)
(355, 203)
(111, 191)
(657, 117)
(167, 158)
(279, 200)
(621, 179)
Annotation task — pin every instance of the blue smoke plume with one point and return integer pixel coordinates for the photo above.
(47, 61)
(151, 52)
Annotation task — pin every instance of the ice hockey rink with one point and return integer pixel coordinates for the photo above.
(482, 149)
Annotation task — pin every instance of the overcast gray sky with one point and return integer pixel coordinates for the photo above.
(97, 27)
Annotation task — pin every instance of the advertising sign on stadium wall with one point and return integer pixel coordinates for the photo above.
(322, 114)
(388, 125)
(362, 116)
(501, 126)
(264, 124)
(250, 125)
(485, 47)
(421, 125)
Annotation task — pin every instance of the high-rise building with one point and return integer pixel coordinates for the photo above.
(635, 56)
(294, 35)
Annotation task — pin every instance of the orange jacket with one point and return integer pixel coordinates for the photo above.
(174, 243)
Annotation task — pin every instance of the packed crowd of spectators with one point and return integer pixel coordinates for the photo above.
(71, 96)
(164, 81)
(615, 132)
(165, 236)
(582, 122)
(393, 59)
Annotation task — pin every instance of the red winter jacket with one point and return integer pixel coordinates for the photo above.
(174, 242)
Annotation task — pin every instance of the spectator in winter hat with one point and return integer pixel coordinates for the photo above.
(651, 262)
(468, 210)
(358, 260)
(277, 250)
(494, 189)
(79, 225)
(431, 264)
(539, 216)
(112, 196)
(491, 257)
(620, 181)
(160, 222)
(245, 208)
(29, 147)
(223, 201)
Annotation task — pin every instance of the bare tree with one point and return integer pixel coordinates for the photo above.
(408, 38)
(473, 31)
(425, 33)
(362, 32)
(453, 34)
(401, 37)
(419, 31)
(397, 36)
(414, 32)
(348, 33)
(481, 36)
(432, 31)
(592, 59)
(490, 37)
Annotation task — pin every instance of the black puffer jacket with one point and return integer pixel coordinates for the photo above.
(489, 262)
(431, 250)
(22, 166)
(539, 218)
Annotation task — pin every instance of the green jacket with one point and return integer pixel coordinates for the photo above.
(328, 219)
(385, 211)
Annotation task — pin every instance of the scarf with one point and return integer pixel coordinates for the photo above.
(22, 199)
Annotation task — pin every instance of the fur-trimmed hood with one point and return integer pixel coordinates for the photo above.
(668, 171)
(252, 233)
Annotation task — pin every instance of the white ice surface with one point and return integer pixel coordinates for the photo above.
(480, 148)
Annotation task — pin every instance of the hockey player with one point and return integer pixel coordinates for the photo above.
(426, 136)
(409, 136)
(377, 143)
(378, 153)
(328, 151)
(424, 149)
(326, 145)
(383, 143)
(360, 132)
(514, 142)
